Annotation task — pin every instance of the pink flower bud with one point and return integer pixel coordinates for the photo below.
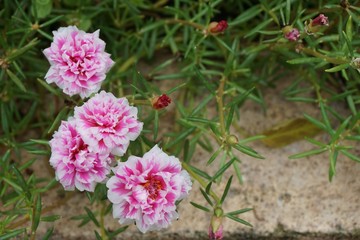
(315, 25)
(217, 27)
(216, 227)
(217, 234)
(160, 102)
(320, 20)
(291, 34)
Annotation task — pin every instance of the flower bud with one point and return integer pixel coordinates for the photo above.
(216, 227)
(215, 235)
(320, 20)
(291, 34)
(315, 24)
(217, 27)
(232, 139)
(159, 102)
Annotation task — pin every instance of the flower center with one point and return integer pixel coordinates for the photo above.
(76, 149)
(77, 65)
(106, 122)
(153, 186)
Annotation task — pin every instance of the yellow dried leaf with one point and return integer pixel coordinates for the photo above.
(288, 132)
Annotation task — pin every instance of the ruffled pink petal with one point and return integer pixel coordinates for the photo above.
(76, 166)
(145, 190)
(107, 124)
(78, 61)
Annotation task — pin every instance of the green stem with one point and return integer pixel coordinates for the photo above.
(347, 132)
(56, 205)
(139, 101)
(200, 181)
(184, 22)
(219, 99)
(102, 225)
(160, 3)
(324, 57)
(127, 64)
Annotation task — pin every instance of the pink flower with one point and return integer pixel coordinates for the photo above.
(145, 190)
(160, 102)
(74, 164)
(78, 61)
(107, 124)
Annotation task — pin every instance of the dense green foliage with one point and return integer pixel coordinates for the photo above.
(222, 69)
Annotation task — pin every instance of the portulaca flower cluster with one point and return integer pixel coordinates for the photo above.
(143, 190)
(83, 148)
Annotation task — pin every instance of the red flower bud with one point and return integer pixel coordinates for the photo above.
(160, 102)
(217, 27)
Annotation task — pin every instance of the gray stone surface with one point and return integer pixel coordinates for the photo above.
(287, 195)
(290, 198)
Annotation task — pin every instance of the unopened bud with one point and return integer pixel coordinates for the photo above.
(218, 212)
(216, 227)
(35, 27)
(231, 140)
(216, 235)
(159, 102)
(315, 24)
(320, 20)
(291, 34)
(217, 27)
